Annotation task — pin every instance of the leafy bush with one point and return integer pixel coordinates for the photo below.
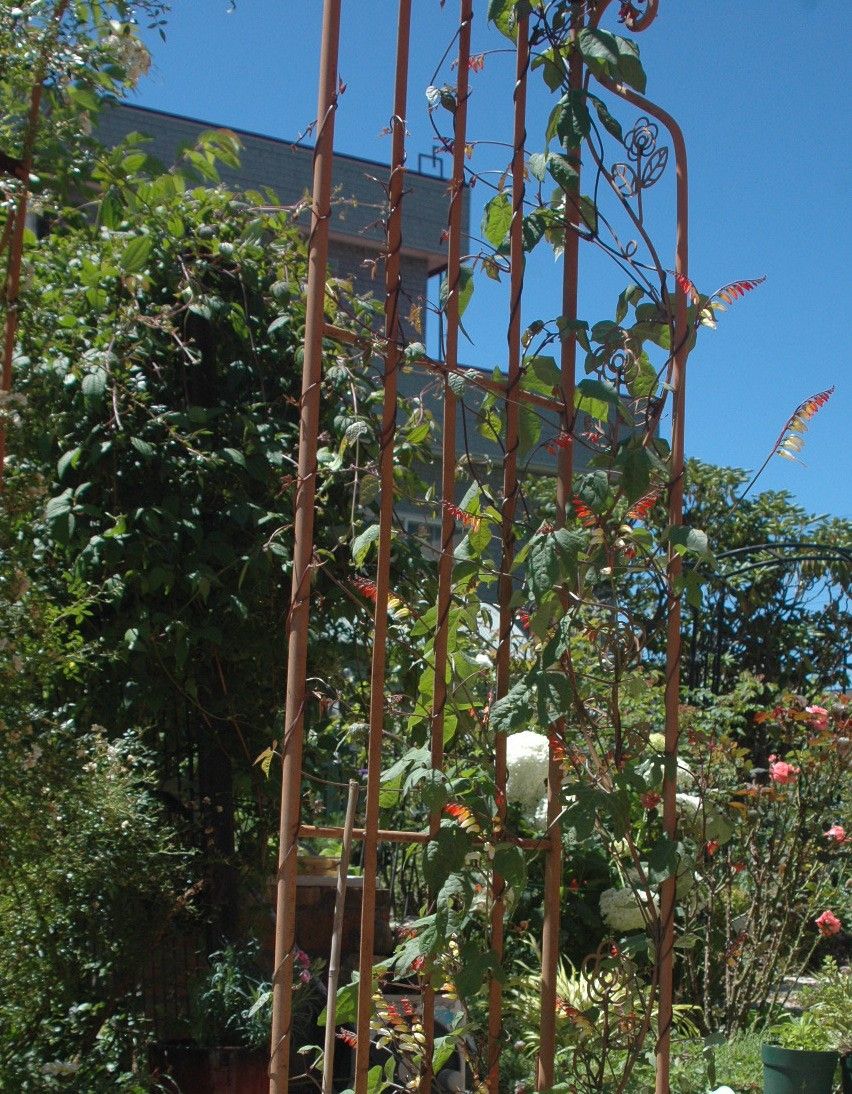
(90, 877)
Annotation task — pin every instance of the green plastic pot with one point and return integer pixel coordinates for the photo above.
(793, 1071)
(846, 1072)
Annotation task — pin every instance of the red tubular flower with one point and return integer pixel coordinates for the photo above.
(640, 509)
(650, 799)
(711, 847)
(365, 587)
(348, 1037)
(557, 748)
(470, 520)
(463, 815)
(584, 514)
(828, 924)
(562, 440)
(476, 63)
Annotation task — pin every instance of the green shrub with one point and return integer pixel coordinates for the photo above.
(89, 879)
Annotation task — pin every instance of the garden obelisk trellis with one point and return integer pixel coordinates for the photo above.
(390, 349)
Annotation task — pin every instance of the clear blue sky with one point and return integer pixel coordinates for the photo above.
(762, 92)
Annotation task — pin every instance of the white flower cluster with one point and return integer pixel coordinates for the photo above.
(61, 1067)
(526, 759)
(128, 51)
(621, 909)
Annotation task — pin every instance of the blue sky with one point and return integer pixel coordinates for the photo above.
(762, 93)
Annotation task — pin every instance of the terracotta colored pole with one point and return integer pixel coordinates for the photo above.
(665, 956)
(379, 661)
(448, 465)
(666, 941)
(510, 497)
(297, 622)
(18, 222)
(396, 835)
(564, 491)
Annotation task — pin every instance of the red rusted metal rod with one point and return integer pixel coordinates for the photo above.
(510, 497)
(448, 465)
(470, 375)
(297, 621)
(564, 490)
(674, 569)
(18, 219)
(380, 637)
(394, 835)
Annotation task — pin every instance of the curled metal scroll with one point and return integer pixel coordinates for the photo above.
(640, 144)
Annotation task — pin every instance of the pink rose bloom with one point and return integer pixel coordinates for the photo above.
(781, 772)
(828, 924)
(836, 833)
(819, 716)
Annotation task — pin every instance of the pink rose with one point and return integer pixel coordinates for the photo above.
(781, 772)
(836, 833)
(819, 716)
(828, 924)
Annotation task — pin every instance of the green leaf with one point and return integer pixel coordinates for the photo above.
(513, 711)
(66, 460)
(593, 489)
(503, 14)
(474, 965)
(635, 463)
(445, 855)
(630, 296)
(465, 289)
(663, 860)
(142, 447)
(58, 507)
(346, 1006)
(600, 50)
(537, 164)
(563, 172)
(510, 864)
(376, 1079)
(136, 254)
(629, 66)
(552, 557)
(362, 543)
(443, 1050)
(497, 219)
(610, 124)
(94, 385)
(596, 398)
(235, 456)
(529, 431)
(570, 121)
(542, 374)
(534, 227)
(691, 540)
(642, 377)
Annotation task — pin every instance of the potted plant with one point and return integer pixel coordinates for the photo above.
(800, 1059)
(804, 1053)
(231, 1009)
(829, 1000)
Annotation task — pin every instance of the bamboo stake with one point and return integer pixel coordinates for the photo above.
(337, 939)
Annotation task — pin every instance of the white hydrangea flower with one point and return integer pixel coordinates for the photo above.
(527, 756)
(622, 911)
(61, 1067)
